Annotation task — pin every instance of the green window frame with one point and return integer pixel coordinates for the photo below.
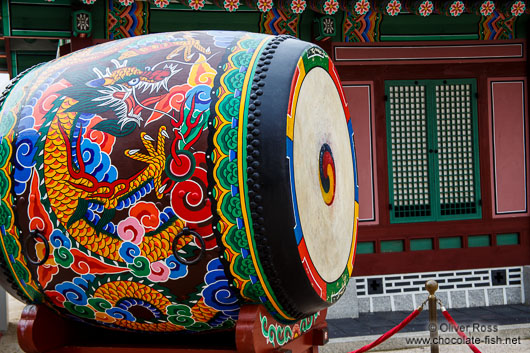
(432, 146)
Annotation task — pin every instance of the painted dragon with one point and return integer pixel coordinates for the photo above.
(110, 169)
(71, 190)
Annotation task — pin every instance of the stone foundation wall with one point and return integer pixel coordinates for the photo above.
(457, 289)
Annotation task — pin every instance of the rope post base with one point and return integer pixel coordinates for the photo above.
(431, 287)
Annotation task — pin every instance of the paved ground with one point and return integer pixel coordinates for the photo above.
(379, 323)
(334, 347)
(512, 323)
(524, 347)
(8, 342)
(501, 324)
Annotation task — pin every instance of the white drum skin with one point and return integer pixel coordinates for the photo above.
(326, 227)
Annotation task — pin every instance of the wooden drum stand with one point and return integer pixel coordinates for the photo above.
(40, 330)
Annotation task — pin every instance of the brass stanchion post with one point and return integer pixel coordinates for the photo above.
(431, 287)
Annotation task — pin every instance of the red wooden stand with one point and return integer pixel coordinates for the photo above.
(41, 330)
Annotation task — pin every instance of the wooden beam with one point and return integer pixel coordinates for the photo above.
(8, 57)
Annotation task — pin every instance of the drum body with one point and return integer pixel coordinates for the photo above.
(160, 182)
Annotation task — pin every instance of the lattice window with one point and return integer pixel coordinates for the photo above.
(409, 162)
(432, 149)
(454, 117)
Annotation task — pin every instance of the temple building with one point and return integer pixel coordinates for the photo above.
(437, 91)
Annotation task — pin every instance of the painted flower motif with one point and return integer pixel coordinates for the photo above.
(298, 6)
(131, 230)
(126, 2)
(426, 8)
(161, 3)
(196, 4)
(147, 215)
(362, 7)
(88, 2)
(487, 8)
(393, 8)
(331, 6)
(231, 5)
(518, 8)
(265, 5)
(456, 9)
(159, 272)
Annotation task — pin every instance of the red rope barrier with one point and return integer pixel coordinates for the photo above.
(460, 333)
(390, 333)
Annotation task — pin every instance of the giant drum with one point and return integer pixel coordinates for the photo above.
(159, 183)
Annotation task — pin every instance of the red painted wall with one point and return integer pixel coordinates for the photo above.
(509, 150)
(453, 64)
(360, 97)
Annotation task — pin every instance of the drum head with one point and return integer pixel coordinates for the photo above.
(302, 180)
(323, 176)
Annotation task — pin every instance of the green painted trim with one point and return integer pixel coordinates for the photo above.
(261, 290)
(32, 52)
(411, 25)
(39, 20)
(421, 244)
(320, 27)
(6, 19)
(306, 25)
(105, 24)
(392, 246)
(31, 33)
(260, 47)
(42, 3)
(477, 241)
(168, 21)
(427, 37)
(475, 149)
(19, 60)
(76, 31)
(99, 11)
(365, 247)
(14, 66)
(432, 144)
(207, 7)
(272, 299)
(521, 25)
(393, 218)
(450, 243)
(389, 150)
(508, 239)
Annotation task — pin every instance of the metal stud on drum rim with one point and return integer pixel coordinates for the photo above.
(302, 276)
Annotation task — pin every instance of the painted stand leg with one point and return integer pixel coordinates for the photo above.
(258, 332)
(40, 330)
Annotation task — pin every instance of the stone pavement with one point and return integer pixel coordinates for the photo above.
(8, 342)
(512, 322)
(378, 323)
(501, 324)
